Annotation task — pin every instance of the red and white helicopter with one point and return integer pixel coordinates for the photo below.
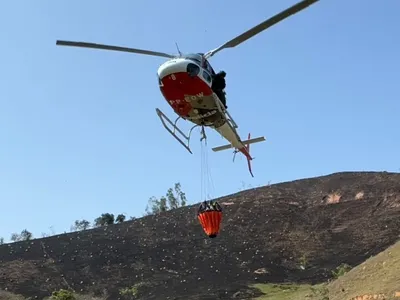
(186, 83)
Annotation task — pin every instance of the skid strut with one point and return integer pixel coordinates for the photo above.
(184, 139)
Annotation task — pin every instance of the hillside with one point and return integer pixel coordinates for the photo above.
(295, 231)
(377, 277)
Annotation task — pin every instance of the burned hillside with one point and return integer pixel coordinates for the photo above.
(294, 231)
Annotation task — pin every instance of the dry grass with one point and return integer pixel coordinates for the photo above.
(4, 295)
(359, 196)
(292, 292)
(379, 275)
(333, 198)
(377, 278)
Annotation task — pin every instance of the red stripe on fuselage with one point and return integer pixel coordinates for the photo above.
(176, 87)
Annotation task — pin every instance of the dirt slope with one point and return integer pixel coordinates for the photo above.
(267, 234)
(377, 277)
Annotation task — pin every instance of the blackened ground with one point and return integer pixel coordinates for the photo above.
(267, 234)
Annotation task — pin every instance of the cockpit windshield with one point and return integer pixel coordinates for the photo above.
(198, 58)
(195, 57)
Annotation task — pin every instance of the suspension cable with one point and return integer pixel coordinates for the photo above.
(207, 183)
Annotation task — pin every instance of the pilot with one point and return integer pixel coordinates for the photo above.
(218, 86)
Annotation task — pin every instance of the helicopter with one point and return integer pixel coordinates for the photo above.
(185, 81)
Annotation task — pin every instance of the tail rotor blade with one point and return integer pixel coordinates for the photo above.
(248, 158)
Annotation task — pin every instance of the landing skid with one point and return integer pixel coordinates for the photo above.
(183, 139)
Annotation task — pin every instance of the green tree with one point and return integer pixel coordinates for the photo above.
(120, 218)
(1, 241)
(177, 199)
(25, 235)
(156, 205)
(80, 225)
(173, 199)
(14, 237)
(104, 220)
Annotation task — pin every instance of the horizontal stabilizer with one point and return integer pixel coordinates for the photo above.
(246, 142)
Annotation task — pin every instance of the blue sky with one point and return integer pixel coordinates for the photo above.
(78, 129)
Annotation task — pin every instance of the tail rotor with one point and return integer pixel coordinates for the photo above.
(249, 158)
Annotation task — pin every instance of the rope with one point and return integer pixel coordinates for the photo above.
(202, 173)
(207, 183)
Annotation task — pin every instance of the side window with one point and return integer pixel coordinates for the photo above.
(207, 76)
(207, 66)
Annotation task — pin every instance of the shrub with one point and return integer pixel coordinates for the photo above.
(133, 291)
(341, 270)
(63, 295)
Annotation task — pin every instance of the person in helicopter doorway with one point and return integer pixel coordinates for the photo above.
(218, 86)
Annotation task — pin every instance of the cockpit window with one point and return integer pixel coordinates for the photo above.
(195, 57)
(198, 58)
(208, 67)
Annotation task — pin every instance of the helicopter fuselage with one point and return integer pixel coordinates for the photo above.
(185, 83)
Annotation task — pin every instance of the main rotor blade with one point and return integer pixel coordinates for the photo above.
(262, 26)
(113, 48)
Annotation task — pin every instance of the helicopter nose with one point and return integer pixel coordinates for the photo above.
(173, 66)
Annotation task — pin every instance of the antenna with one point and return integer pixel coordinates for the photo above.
(180, 53)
